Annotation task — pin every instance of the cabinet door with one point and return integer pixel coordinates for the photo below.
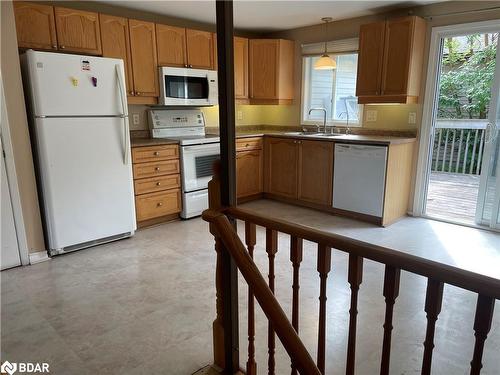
(370, 59)
(199, 49)
(398, 42)
(35, 26)
(248, 173)
(281, 166)
(241, 68)
(116, 43)
(171, 43)
(315, 177)
(264, 60)
(78, 31)
(143, 53)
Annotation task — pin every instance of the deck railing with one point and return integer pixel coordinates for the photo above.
(458, 146)
(437, 274)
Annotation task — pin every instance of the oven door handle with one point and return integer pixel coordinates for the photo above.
(208, 148)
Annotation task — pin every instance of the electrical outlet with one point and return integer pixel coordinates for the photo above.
(239, 115)
(371, 115)
(412, 118)
(135, 119)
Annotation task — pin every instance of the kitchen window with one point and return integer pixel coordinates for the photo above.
(334, 90)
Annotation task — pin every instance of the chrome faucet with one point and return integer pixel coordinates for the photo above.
(324, 116)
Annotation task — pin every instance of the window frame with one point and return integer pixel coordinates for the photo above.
(305, 92)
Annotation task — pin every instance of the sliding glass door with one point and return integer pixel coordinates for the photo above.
(488, 202)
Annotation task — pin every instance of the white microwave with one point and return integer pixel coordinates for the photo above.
(188, 87)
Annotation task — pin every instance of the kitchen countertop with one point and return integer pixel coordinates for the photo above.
(138, 142)
(351, 138)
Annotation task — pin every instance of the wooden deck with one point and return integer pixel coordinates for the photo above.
(453, 196)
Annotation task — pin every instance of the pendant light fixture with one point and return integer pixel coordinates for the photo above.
(325, 62)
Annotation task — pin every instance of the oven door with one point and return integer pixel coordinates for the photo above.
(196, 165)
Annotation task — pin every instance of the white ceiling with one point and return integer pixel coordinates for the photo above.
(258, 15)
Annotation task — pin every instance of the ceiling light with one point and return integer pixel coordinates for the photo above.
(325, 62)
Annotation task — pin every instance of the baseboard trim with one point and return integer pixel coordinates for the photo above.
(38, 257)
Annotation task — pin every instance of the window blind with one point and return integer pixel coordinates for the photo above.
(334, 47)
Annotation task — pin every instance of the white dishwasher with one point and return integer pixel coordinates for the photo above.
(359, 178)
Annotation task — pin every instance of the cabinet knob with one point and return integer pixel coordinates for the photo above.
(62, 47)
(54, 46)
(159, 204)
(131, 93)
(157, 169)
(158, 183)
(248, 144)
(190, 66)
(156, 153)
(137, 93)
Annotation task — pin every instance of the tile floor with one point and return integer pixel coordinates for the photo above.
(145, 305)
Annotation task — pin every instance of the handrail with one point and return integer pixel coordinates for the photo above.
(484, 285)
(271, 307)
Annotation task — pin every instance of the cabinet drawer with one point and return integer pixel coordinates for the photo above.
(246, 144)
(150, 185)
(159, 168)
(152, 153)
(149, 206)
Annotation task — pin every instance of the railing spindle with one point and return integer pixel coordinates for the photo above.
(482, 326)
(433, 302)
(391, 292)
(480, 153)
(466, 152)
(474, 146)
(457, 166)
(271, 249)
(296, 259)
(324, 266)
(250, 241)
(355, 277)
(440, 131)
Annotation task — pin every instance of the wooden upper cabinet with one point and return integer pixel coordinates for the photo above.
(315, 172)
(370, 58)
(403, 56)
(281, 166)
(35, 26)
(240, 68)
(271, 71)
(78, 31)
(391, 72)
(116, 43)
(199, 49)
(171, 43)
(143, 54)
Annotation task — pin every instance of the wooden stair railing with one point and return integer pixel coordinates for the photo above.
(437, 274)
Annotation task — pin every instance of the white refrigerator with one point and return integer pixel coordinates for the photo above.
(80, 136)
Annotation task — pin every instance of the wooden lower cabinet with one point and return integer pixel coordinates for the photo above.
(315, 172)
(153, 205)
(248, 173)
(157, 183)
(281, 156)
(300, 169)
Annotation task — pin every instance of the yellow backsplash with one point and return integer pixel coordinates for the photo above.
(389, 117)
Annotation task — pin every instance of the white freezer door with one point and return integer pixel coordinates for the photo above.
(359, 178)
(86, 179)
(75, 85)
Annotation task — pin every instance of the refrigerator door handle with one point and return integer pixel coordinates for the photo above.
(121, 86)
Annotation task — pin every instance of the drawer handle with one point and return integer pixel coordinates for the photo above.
(158, 183)
(159, 204)
(156, 153)
(157, 169)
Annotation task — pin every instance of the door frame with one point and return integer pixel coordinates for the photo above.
(426, 138)
(15, 197)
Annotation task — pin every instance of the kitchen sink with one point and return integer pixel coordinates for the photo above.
(311, 134)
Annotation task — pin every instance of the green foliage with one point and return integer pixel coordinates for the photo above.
(466, 79)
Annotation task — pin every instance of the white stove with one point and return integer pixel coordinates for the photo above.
(198, 151)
